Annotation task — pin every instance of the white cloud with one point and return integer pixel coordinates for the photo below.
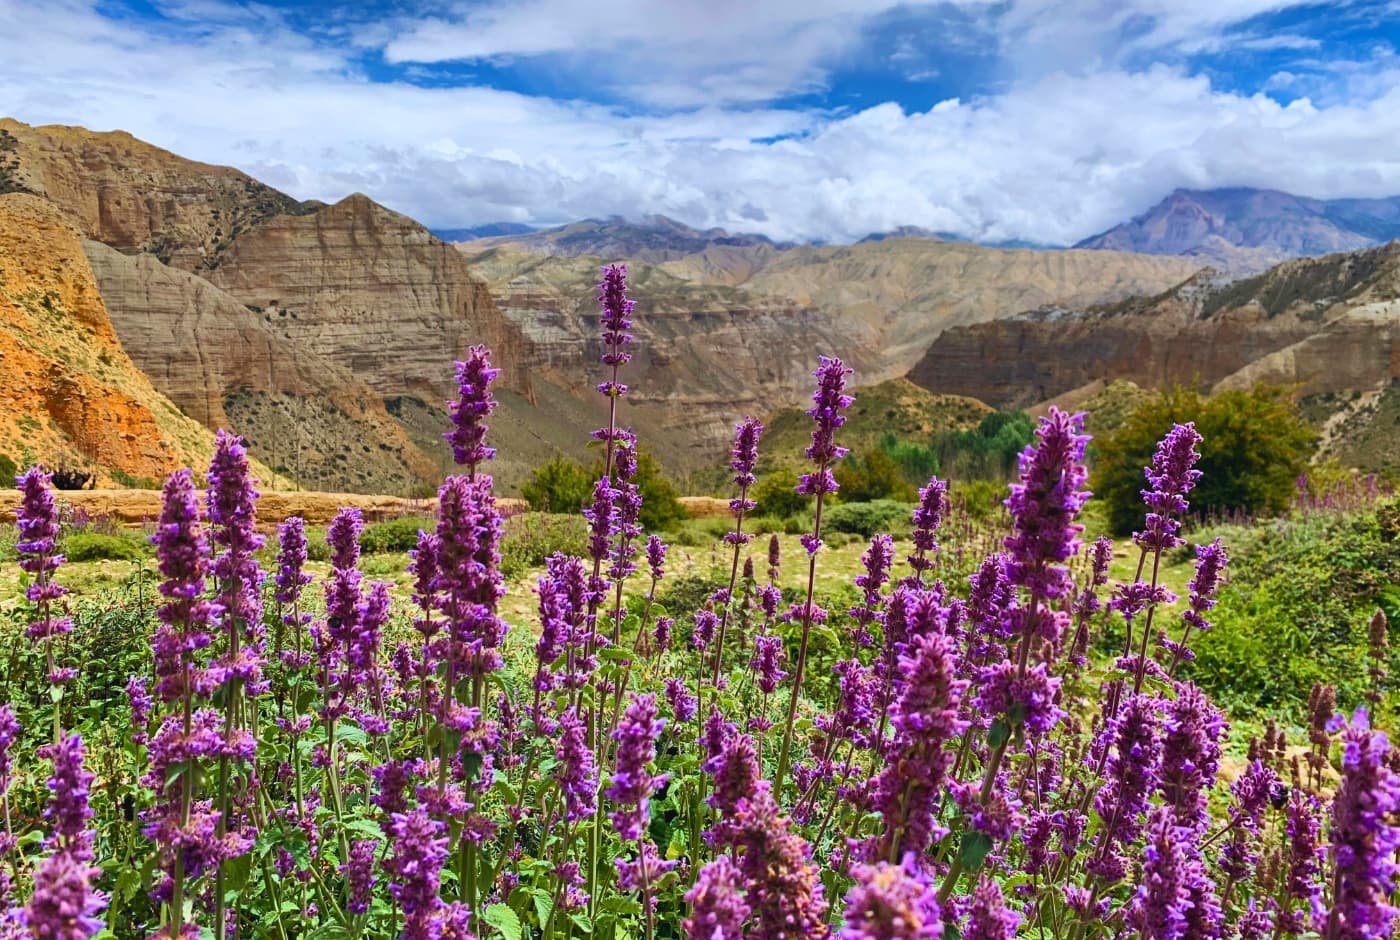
(1057, 155)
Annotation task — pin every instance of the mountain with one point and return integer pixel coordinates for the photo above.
(655, 238)
(1249, 229)
(1327, 328)
(489, 230)
(70, 397)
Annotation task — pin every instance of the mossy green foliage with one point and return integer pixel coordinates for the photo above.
(875, 475)
(563, 485)
(394, 535)
(1297, 610)
(104, 546)
(866, 519)
(1256, 446)
(532, 537)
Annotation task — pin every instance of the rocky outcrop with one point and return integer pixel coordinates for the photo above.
(69, 395)
(1319, 325)
(131, 195)
(374, 292)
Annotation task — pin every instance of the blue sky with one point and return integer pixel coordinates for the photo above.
(1044, 120)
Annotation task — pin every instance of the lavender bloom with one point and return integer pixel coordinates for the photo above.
(358, 872)
(892, 902)
(830, 399)
(782, 886)
(68, 812)
(1302, 905)
(989, 918)
(1365, 836)
(469, 531)
(1210, 565)
(617, 309)
(37, 518)
(474, 403)
(768, 662)
(9, 733)
(717, 906)
(1043, 506)
(64, 905)
(916, 762)
(632, 784)
(683, 704)
(420, 848)
(1171, 476)
(232, 516)
(343, 536)
(656, 557)
(876, 561)
(775, 557)
(735, 769)
(928, 516)
(574, 771)
(1254, 791)
(1027, 699)
(1131, 776)
(292, 575)
(706, 622)
(186, 615)
(743, 459)
(643, 872)
(1160, 907)
(1190, 753)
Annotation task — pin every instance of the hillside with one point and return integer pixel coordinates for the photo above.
(653, 239)
(1327, 328)
(69, 394)
(1248, 229)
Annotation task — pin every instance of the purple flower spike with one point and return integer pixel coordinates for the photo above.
(617, 313)
(1044, 504)
(1159, 910)
(473, 405)
(989, 918)
(717, 906)
(928, 516)
(632, 783)
(37, 517)
(829, 400)
(892, 902)
(359, 875)
(574, 771)
(1365, 836)
(1171, 476)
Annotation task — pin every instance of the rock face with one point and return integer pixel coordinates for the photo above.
(69, 395)
(1321, 325)
(653, 239)
(1249, 229)
(374, 292)
(131, 195)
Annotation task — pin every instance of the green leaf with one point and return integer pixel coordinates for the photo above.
(999, 733)
(973, 851)
(544, 906)
(504, 920)
(582, 922)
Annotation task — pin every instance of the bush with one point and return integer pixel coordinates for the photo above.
(98, 546)
(560, 485)
(866, 519)
(776, 495)
(661, 503)
(873, 476)
(394, 535)
(532, 537)
(988, 452)
(1255, 446)
(8, 470)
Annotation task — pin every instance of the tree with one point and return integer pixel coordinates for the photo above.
(661, 503)
(561, 484)
(776, 494)
(876, 475)
(1254, 447)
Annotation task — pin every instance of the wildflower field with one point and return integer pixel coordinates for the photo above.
(994, 735)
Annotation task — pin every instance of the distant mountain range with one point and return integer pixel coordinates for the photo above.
(1250, 229)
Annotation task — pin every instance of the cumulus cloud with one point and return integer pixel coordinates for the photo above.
(1051, 154)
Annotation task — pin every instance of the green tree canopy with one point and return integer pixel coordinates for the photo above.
(1253, 449)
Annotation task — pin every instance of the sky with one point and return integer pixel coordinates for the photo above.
(823, 120)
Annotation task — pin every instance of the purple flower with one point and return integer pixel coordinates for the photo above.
(472, 406)
(988, 917)
(469, 581)
(9, 733)
(632, 784)
(717, 906)
(923, 721)
(1301, 906)
(1210, 565)
(37, 517)
(736, 772)
(1365, 835)
(1131, 777)
(186, 615)
(656, 557)
(1190, 753)
(64, 905)
(743, 460)
(829, 400)
(642, 873)
(1254, 791)
(1043, 507)
(1171, 476)
(617, 311)
(706, 622)
(415, 865)
(767, 661)
(876, 561)
(232, 516)
(1026, 699)
(928, 516)
(292, 575)
(574, 771)
(683, 704)
(358, 872)
(1160, 907)
(781, 885)
(68, 812)
(892, 902)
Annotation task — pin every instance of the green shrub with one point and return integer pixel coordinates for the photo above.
(98, 546)
(980, 499)
(133, 481)
(661, 503)
(8, 471)
(394, 535)
(989, 452)
(532, 537)
(776, 495)
(1254, 447)
(560, 485)
(873, 476)
(1296, 611)
(795, 525)
(866, 519)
